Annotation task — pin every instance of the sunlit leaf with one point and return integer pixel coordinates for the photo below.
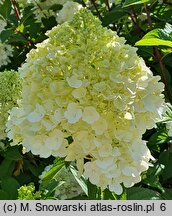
(128, 3)
(157, 37)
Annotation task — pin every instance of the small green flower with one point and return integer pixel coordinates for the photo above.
(10, 92)
(27, 192)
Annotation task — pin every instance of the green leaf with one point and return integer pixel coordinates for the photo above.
(113, 16)
(5, 8)
(4, 195)
(128, 3)
(94, 192)
(50, 174)
(6, 168)
(15, 38)
(158, 138)
(108, 195)
(36, 170)
(6, 34)
(167, 194)
(151, 177)
(168, 114)
(157, 37)
(13, 153)
(165, 15)
(50, 188)
(81, 181)
(137, 193)
(154, 42)
(165, 158)
(10, 186)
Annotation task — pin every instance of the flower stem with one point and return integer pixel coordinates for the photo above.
(16, 9)
(95, 6)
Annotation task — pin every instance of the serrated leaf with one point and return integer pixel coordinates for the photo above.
(137, 193)
(128, 3)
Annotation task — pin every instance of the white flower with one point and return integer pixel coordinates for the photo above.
(79, 93)
(100, 126)
(73, 113)
(10, 91)
(117, 188)
(90, 115)
(68, 11)
(2, 25)
(37, 114)
(74, 82)
(5, 53)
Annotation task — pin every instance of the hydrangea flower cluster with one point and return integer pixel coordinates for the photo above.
(5, 53)
(68, 187)
(10, 90)
(84, 82)
(2, 25)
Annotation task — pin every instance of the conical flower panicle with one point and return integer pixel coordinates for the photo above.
(85, 82)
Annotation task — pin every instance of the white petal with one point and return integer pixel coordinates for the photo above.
(79, 93)
(74, 82)
(116, 188)
(73, 113)
(90, 115)
(100, 126)
(34, 117)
